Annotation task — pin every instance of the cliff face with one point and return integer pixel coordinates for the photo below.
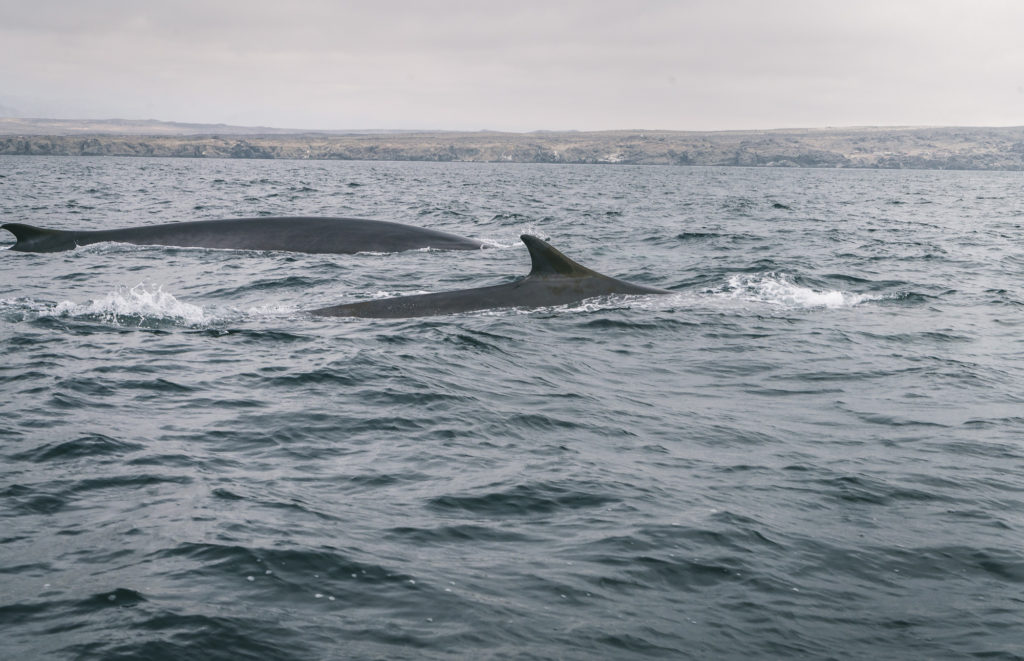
(930, 148)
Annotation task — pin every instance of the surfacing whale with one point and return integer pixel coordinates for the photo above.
(289, 233)
(553, 280)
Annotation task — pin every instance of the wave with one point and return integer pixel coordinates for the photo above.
(144, 305)
(133, 306)
(778, 289)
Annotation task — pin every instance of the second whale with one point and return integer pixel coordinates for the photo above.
(554, 279)
(309, 234)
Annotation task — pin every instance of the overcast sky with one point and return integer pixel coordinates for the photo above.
(517, 66)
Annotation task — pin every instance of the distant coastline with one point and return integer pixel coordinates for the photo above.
(941, 148)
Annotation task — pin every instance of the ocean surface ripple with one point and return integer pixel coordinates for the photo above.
(812, 448)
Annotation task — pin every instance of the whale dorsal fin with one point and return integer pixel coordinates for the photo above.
(548, 261)
(39, 239)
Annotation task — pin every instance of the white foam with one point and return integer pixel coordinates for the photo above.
(381, 293)
(595, 304)
(269, 310)
(779, 290)
(491, 242)
(137, 303)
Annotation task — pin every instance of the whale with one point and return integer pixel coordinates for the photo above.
(287, 233)
(554, 279)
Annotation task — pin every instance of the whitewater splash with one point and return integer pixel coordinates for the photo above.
(134, 306)
(779, 290)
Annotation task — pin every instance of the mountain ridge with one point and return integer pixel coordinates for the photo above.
(966, 148)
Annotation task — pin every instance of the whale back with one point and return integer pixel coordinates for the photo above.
(289, 233)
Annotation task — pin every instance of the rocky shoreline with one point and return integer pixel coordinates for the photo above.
(919, 148)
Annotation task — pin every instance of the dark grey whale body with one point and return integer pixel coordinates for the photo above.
(290, 233)
(554, 280)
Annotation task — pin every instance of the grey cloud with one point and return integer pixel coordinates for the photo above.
(525, 65)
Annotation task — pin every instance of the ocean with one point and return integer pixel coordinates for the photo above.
(812, 449)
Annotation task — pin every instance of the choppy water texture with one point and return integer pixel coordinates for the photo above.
(813, 449)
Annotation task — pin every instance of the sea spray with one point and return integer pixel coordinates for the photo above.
(136, 305)
(778, 289)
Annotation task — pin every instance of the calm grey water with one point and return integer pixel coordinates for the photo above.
(813, 449)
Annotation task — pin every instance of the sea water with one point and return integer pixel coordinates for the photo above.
(813, 448)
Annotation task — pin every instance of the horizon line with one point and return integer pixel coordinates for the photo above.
(258, 127)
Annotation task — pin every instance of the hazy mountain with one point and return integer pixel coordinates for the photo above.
(965, 148)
